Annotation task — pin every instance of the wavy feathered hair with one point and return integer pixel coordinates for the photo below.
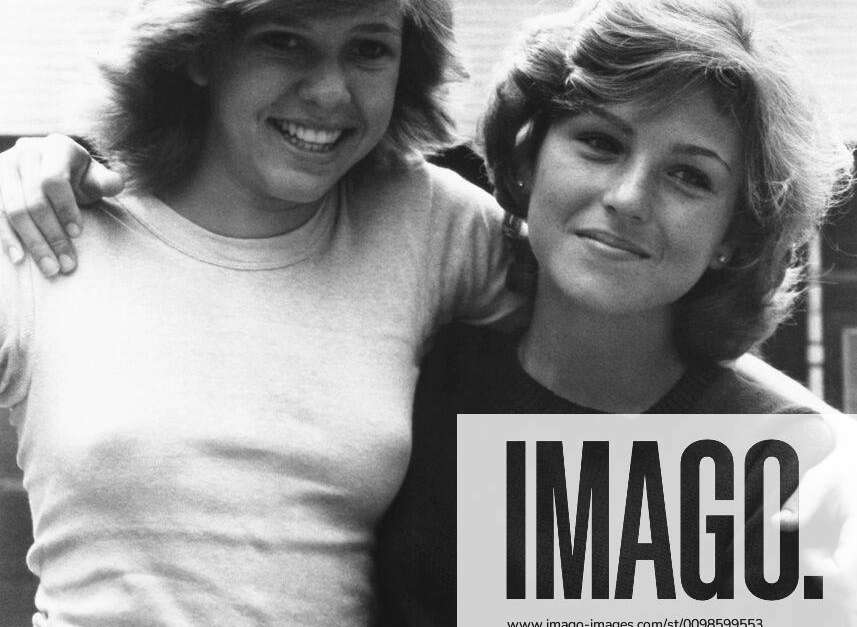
(154, 119)
(653, 52)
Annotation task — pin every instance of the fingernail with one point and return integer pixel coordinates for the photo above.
(16, 254)
(48, 266)
(72, 229)
(66, 263)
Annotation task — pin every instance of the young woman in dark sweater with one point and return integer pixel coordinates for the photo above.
(669, 168)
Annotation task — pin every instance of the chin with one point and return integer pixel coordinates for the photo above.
(299, 192)
(607, 299)
(627, 304)
(612, 307)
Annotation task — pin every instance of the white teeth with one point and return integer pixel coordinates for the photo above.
(317, 137)
(311, 135)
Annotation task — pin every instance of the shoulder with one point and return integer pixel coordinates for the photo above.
(464, 208)
(750, 386)
(448, 187)
(759, 374)
(419, 187)
(107, 222)
(108, 210)
(735, 389)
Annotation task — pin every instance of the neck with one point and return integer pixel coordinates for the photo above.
(620, 363)
(210, 199)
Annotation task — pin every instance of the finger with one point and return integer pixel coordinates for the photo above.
(812, 491)
(61, 157)
(9, 241)
(41, 209)
(99, 182)
(815, 443)
(19, 218)
(90, 180)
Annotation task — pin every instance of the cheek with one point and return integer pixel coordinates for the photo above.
(539, 238)
(694, 243)
(240, 99)
(560, 198)
(377, 99)
(544, 224)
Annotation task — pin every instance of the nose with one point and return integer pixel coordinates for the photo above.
(325, 85)
(629, 192)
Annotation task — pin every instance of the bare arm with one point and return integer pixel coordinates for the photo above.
(826, 494)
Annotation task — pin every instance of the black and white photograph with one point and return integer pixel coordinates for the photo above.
(412, 313)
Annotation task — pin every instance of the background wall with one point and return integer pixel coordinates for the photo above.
(46, 46)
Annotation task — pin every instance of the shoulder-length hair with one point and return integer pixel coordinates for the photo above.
(653, 52)
(154, 120)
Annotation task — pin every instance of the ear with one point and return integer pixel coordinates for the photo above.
(198, 72)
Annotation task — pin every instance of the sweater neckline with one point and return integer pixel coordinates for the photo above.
(530, 393)
(266, 253)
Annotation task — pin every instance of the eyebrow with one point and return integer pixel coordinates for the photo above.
(627, 129)
(693, 149)
(614, 119)
(378, 28)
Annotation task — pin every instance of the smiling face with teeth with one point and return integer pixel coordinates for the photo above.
(297, 102)
(628, 207)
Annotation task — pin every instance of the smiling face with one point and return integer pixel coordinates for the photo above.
(629, 208)
(297, 102)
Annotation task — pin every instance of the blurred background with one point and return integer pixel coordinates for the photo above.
(47, 53)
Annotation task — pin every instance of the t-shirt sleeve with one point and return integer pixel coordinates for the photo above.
(470, 254)
(16, 306)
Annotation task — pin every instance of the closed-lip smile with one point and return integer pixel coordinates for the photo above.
(612, 240)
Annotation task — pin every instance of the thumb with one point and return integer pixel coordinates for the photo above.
(812, 492)
(99, 182)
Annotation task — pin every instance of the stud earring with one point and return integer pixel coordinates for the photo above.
(720, 261)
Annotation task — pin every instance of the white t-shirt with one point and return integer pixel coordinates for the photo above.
(209, 428)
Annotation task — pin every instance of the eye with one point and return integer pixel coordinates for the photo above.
(282, 41)
(692, 177)
(370, 50)
(600, 144)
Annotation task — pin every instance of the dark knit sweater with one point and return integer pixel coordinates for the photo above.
(476, 370)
